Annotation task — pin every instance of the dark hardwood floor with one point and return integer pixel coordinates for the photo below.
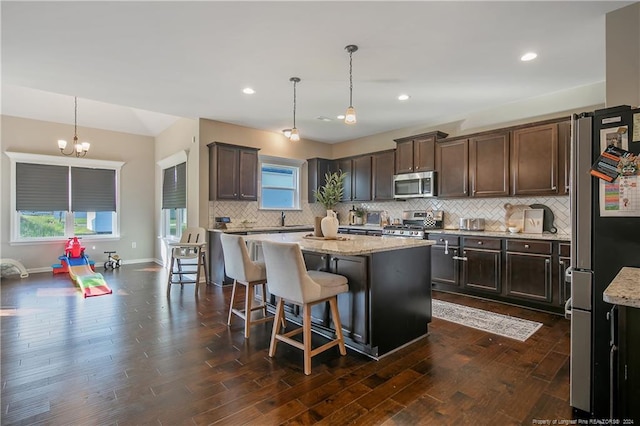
(138, 357)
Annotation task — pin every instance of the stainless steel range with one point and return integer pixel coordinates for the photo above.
(415, 223)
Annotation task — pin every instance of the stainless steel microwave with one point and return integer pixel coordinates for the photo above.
(414, 185)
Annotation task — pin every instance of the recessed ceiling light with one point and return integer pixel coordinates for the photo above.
(248, 91)
(403, 97)
(528, 56)
(323, 118)
(340, 117)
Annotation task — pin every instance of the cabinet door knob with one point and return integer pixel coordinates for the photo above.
(479, 243)
(554, 187)
(441, 239)
(526, 246)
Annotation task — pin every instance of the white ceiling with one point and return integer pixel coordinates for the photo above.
(136, 66)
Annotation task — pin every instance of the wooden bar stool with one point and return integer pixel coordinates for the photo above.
(239, 266)
(289, 280)
(192, 245)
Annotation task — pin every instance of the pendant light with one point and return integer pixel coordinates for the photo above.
(294, 136)
(350, 115)
(79, 149)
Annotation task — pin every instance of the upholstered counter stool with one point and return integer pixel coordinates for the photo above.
(239, 266)
(289, 280)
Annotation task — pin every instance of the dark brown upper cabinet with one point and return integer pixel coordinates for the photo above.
(361, 182)
(534, 160)
(382, 176)
(344, 165)
(317, 168)
(452, 166)
(233, 172)
(564, 157)
(417, 153)
(489, 165)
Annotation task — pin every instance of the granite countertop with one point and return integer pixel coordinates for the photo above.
(504, 234)
(353, 245)
(624, 289)
(265, 229)
(363, 227)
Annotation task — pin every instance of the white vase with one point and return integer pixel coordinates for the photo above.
(329, 225)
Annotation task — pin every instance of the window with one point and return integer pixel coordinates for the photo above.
(279, 183)
(54, 198)
(174, 195)
(174, 200)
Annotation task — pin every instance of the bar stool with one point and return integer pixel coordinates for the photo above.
(239, 266)
(192, 245)
(289, 280)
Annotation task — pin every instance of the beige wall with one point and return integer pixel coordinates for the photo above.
(270, 143)
(136, 189)
(181, 136)
(623, 56)
(563, 104)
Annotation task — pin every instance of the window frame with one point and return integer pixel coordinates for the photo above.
(21, 157)
(172, 161)
(282, 162)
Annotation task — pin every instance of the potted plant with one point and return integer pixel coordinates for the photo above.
(359, 212)
(329, 195)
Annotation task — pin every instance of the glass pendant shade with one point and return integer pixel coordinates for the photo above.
(286, 133)
(295, 136)
(62, 144)
(350, 116)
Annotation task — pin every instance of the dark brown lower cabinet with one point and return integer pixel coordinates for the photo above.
(625, 366)
(528, 273)
(528, 276)
(481, 259)
(528, 270)
(388, 303)
(564, 261)
(444, 262)
(353, 304)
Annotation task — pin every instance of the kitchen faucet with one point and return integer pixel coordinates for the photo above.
(282, 217)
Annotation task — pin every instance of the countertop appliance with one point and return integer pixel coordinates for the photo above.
(415, 223)
(471, 224)
(414, 185)
(601, 244)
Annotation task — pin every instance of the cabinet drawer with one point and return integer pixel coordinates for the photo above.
(482, 243)
(565, 250)
(440, 239)
(526, 246)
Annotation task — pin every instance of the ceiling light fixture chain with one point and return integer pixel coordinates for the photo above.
(350, 116)
(294, 136)
(79, 149)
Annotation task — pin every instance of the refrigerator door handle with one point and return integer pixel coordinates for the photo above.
(568, 273)
(567, 309)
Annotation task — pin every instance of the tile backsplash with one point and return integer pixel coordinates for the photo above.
(491, 209)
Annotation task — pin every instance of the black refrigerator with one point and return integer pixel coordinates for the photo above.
(605, 237)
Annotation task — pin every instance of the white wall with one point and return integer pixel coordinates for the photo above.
(181, 136)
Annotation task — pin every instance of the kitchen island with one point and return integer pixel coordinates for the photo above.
(389, 300)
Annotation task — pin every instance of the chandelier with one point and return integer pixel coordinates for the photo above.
(79, 149)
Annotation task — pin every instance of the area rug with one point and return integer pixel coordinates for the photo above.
(503, 325)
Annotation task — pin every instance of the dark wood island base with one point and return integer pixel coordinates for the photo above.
(389, 301)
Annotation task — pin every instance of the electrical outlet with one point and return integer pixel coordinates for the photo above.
(133, 244)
